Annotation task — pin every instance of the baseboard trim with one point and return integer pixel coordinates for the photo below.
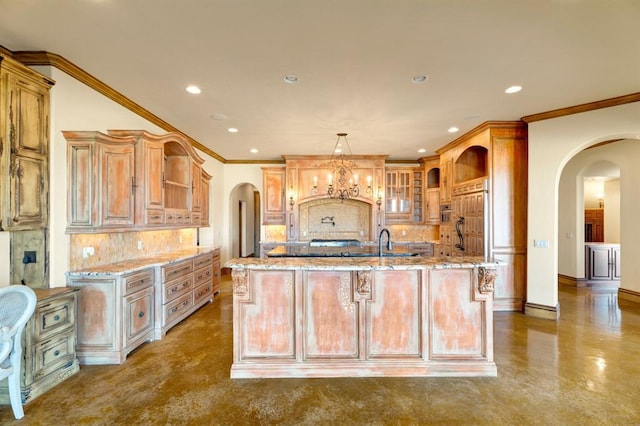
(572, 281)
(629, 295)
(542, 311)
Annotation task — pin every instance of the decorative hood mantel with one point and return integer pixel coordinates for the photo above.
(314, 214)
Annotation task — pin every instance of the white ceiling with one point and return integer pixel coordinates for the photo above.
(355, 60)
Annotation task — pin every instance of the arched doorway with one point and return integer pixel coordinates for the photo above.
(244, 215)
(588, 212)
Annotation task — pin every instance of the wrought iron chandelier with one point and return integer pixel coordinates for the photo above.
(343, 183)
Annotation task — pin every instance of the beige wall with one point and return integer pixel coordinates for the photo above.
(552, 143)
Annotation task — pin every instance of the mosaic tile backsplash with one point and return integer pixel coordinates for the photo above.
(116, 247)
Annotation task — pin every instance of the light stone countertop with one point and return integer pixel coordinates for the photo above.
(128, 266)
(361, 263)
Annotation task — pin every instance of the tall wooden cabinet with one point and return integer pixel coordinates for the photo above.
(497, 152)
(24, 144)
(128, 180)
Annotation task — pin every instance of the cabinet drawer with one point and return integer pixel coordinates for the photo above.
(54, 316)
(196, 218)
(175, 288)
(175, 270)
(138, 281)
(138, 314)
(178, 307)
(202, 261)
(202, 292)
(203, 275)
(155, 217)
(53, 353)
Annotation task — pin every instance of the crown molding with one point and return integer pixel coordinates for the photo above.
(590, 106)
(34, 58)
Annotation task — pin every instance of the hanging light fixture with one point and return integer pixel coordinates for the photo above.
(343, 183)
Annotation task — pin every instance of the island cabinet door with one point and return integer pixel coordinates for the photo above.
(457, 321)
(266, 314)
(394, 315)
(330, 320)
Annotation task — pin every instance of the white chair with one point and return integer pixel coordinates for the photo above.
(17, 304)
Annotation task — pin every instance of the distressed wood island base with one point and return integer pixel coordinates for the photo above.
(362, 317)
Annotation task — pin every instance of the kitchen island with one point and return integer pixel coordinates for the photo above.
(362, 316)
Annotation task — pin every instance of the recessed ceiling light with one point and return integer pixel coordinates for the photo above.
(232, 130)
(253, 151)
(218, 116)
(453, 129)
(513, 89)
(291, 79)
(194, 90)
(420, 78)
(422, 150)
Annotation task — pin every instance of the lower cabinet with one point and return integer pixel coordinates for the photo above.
(115, 314)
(185, 286)
(602, 264)
(121, 306)
(49, 343)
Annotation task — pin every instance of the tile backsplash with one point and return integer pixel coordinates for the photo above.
(115, 247)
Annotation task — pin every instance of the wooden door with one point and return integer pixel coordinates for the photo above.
(117, 180)
(433, 206)
(154, 176)
(196, 191)
(28, 141)
(138, 315)
(273, 185)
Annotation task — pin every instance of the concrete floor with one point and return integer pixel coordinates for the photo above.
(583, 369)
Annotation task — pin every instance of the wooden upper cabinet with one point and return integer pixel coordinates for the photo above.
(205, 179)
(133, 179)
(101, 181)
(116, 184)
(399, 195)
(273, 185)
(24, 145)
(196, 194)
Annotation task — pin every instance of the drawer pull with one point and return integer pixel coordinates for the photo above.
(56, 353)
(140, 314)
(56, 318)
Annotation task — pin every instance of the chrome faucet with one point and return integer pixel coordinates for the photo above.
(384, 230)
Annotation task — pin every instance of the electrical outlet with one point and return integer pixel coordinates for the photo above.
(139, 244)
(29, 257)
(87, 251)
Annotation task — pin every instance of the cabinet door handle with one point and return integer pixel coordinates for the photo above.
(140, 314)
(56, 317)
(56, 353)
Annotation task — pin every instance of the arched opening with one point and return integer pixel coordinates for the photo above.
(589, 219)
(471, 164)
(244, 215)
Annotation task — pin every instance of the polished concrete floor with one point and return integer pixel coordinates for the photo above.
(583, 369)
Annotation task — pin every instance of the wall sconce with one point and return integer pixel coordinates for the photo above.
(291, 201)
(369, 190)
(379, 200)
(314, 190)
